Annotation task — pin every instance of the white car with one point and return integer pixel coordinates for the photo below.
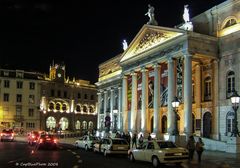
(111, 146)
(157, 152)
(86, 142)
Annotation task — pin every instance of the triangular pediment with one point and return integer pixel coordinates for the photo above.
(149, 37)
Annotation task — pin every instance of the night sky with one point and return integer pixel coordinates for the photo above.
(82, 34)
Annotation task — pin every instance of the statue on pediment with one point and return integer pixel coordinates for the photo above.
(186, 17)
(150, 14)
(125, 45)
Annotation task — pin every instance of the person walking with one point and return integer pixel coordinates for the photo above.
(134, 140)
(149, 137)
(191, 147)
(199, 148)
(140, 141)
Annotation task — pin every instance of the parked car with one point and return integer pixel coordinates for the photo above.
(33, 137)
(47, 141)
(111, 146)
(86, 142)
(7, 134)
(158, 151)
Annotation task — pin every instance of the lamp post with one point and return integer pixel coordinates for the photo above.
(175, 105)
(235, 99)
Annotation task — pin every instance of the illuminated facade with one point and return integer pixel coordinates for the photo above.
(34, 101)
(67, 105)
(199, 66)
(19, 100)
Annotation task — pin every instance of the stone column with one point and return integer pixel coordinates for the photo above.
(156, 102)
(98, 110)
(111, 107)
(119, 108)
(134, 103)
(125, 103)
(215, 121)
(105, 104)
(170, 121)
(188, 94)
(198, 86)
(144, 102)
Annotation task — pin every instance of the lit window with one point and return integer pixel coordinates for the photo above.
(229, 23)
(207, 89)
(230, 83)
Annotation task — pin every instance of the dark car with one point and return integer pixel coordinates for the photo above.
(33, 137)
(47, 141)
(7, 135)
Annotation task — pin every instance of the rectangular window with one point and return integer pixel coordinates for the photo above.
(19, 98)
(31, 85)
(85, 96)
(19, 84)
(79, 95)
(52, 93)
(6, 97)
(31, 99)
(6, 83)
(30, 125)
(92, 97)
(65, 94)
(18, 110)
(30, 112)
(59, 93)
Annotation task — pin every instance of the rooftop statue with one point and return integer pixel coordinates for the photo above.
(125, 45)
(186, 14)
(150, 14)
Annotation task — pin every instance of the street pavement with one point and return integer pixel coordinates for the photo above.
(214, 158)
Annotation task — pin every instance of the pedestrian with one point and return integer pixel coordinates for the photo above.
(134, 140)
(191, 147)
(140, 141)
(199, 148)
(149, 137)
(128, 138)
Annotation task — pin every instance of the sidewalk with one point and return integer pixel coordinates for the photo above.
(216, 158)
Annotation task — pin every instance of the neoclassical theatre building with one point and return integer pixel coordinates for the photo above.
(196, 61)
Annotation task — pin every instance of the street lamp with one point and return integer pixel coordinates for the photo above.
(175, 105)
(235, 99)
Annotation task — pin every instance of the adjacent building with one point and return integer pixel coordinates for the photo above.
(196, 61)
(36, 101)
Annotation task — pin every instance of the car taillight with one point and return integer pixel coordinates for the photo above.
(55, 140)
(33, 136)
(41, 140)
(12, 134)
(1, 134)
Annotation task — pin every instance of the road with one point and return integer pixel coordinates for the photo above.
(20, 154)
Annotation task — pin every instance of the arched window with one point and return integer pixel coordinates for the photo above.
(84, 124)
(78, 108)
(51, 122)
(230, 83)
(164, 124)
(78, 125)
(58, 106)
(85, 109)
(64, 123)
(91, 109)
(193, 91)
(90, 125)
(64, 107)
(229, 123)
(229, 23)
(51, 106)
(207, 88)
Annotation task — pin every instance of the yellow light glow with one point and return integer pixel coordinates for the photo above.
(229, 30)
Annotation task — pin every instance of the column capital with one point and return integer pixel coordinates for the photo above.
(99, 93)
(119, 88)
(124, 76)
(156, 65)
(144, 69)
(133, 73)
(170, 59)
